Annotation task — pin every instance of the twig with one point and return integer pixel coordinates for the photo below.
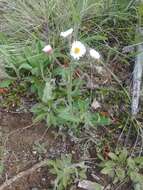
(23, 174)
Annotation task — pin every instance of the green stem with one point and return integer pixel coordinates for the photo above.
(69, 87)
(42, 72)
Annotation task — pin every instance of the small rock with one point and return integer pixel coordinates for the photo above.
(34, 152)
(35, 188)
(43, 179)
(39, 170)
(89, 185)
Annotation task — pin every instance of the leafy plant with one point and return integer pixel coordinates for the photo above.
(121, 166)
(58, 114)
(30, 61)
(66, 172)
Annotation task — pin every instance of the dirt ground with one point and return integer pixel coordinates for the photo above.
(20, 153)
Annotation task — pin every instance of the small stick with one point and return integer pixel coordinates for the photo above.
(23, 174)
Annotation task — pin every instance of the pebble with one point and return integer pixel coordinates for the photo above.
(35, 188)
(34, 152)
(43, 179)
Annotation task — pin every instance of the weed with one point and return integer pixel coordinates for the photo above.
(66, 172)
(122, 167)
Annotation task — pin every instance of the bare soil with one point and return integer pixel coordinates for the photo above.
(20, 153)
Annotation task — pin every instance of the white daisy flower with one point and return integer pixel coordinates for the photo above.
(94, 54)
(47, 49)
(78, 50)
(67, 33)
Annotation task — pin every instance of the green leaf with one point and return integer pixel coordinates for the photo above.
(82, 174)
(66, 115)
(5, 83)
(98, 186)
(35, 71)
(40, 117)
(140, 9)
(1, 168)
(136, 177)
(123, 155)
(47, 93)
(138, 186)
(120, 173)
(66, 178)
(100, 120)
(100, 157)
(131, 163)
(51, 119)
(113, 156)
(139, 160)
(25, 66)
(110, 164)
(107, 171)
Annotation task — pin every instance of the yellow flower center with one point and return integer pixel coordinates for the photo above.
(76, 50)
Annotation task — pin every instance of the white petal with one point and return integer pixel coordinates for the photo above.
(95, 104)
(47, 49)
(67, 33)
(94, 54)
(77, 57)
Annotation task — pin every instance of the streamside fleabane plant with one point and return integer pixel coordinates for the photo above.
(94, 54)
(78, 50)
(62, 102)
(66, 33)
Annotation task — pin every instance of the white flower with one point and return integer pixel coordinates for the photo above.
(47, 49)
(67, 33)
(94, 54)
(78, 50)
